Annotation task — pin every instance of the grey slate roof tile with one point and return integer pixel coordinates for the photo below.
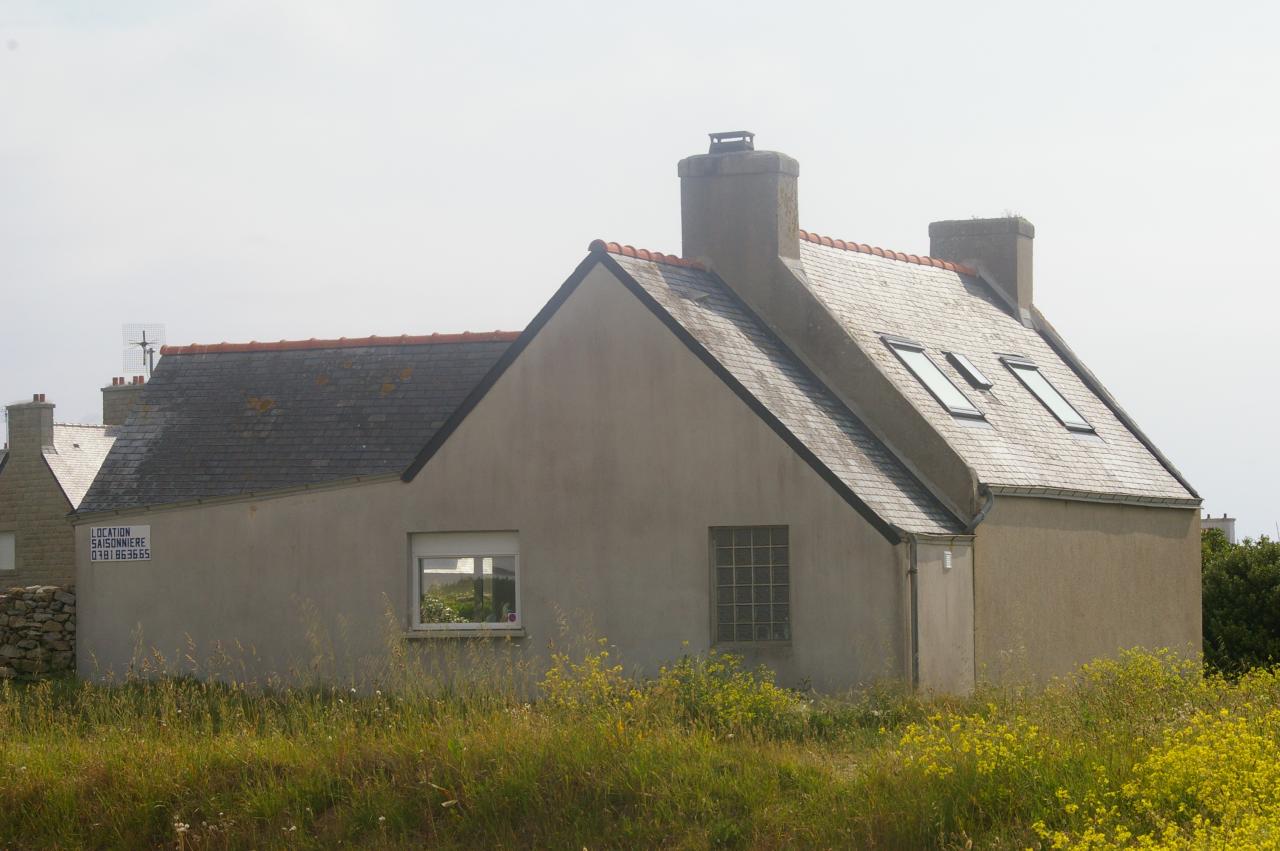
(230, 423)
(1025, 446)
(718, 320)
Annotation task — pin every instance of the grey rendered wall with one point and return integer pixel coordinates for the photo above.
(609, 447)
(944, 598)
(1058, 583)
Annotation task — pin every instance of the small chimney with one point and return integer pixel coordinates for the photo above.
(30, 426)
(1000, 249)
(739, 212)
(119, 399)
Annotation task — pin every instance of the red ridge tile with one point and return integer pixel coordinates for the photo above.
(863, 248)
(342, 343)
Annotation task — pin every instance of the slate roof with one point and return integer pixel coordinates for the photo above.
(76, 455)
(1024, 448)
(235, 419)
(751, 354)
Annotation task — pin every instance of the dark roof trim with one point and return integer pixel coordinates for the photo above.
(890, 532)
(1059, 345)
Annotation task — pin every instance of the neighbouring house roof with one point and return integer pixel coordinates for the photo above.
(76, 456)
(238, 418)
(1022, 448)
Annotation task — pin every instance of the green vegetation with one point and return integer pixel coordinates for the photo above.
(1139, 751)
(1241, 602)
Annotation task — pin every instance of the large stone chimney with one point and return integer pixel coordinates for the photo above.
(30, 426)
(740, 214)
(1000, 249)
(119, 398)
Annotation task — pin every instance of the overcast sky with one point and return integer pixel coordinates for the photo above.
(274, 170)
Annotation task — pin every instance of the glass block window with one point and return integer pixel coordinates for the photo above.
(752, 567)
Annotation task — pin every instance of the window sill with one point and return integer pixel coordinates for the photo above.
(445, 634)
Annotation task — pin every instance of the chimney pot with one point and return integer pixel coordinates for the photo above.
(728, 141)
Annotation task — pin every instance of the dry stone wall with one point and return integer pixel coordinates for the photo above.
(37, 631)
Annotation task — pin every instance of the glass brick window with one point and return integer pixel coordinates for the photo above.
(752, 567)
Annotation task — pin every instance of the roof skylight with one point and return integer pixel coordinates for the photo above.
(913, 356)
(1029, 374)
(971, 373)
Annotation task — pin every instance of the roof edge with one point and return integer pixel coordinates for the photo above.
(1059, 345)
(1073, 495)
(342, 343)
(78, 517)
(496, 371)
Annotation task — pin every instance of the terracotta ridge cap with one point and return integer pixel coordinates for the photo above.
(863, 248)
(644, 254)
(342, 343)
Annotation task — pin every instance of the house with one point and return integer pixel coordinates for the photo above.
(845, 462)
(45, 470)
(1226, 524)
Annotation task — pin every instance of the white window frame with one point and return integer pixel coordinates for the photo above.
(8, 552)
(461, 545)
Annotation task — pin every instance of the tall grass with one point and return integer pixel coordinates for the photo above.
(1142, 749)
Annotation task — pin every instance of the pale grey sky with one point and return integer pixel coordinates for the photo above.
(267, 170)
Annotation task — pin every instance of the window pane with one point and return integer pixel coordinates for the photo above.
(8, 556)
(1049, 396)
(467, 590)
(937, 383)
(971, 373)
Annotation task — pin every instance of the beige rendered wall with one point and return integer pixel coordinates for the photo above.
(1059, 582)
(609, 447)
(944, 600)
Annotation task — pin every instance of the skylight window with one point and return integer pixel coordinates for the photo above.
(913, 356)
(970, 372)
(1029, 374)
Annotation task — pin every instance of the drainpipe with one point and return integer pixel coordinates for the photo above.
(913, 573)
(982, 513)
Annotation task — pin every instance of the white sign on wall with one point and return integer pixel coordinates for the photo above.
(119, 543)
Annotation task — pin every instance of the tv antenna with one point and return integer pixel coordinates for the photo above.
(141, 342)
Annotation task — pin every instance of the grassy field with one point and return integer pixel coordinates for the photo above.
(1140, 752)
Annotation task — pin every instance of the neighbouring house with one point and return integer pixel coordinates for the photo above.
(848, 463)
(1225, 523)
(45, 470)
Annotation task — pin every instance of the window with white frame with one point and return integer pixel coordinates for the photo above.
(466, 580)
(8, 551)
